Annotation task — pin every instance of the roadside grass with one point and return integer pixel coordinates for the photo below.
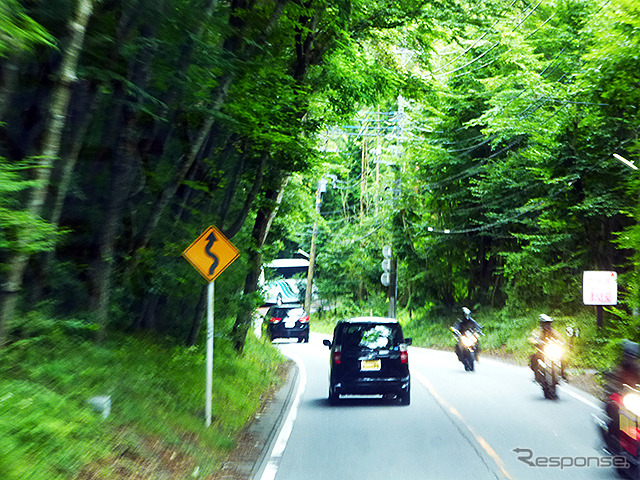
(322, 324)
(49, 431)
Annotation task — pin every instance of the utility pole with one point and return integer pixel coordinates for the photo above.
(322, 187)
(393, 288)
(393, 280)
(389, 278)
(363, 178)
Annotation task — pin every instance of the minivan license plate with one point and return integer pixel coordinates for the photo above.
(370, 365)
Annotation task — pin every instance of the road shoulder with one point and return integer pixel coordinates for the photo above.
(250, 456)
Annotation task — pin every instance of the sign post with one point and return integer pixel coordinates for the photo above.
(209, 387)
(210, 254)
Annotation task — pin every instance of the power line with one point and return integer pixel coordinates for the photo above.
(496, 44)
(477, 41)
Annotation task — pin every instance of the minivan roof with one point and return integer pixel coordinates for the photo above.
(369, 320)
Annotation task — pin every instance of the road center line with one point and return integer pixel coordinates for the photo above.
(271, 469)
(481, 441)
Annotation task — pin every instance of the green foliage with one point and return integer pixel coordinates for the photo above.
(474, 138)
(45, 434)
(505, 196)
(20, 231)
(18, 31)
(533, 281)
(156, 389)
(434, 335)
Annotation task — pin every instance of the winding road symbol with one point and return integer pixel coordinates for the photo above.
(211, 253)
(211, 239)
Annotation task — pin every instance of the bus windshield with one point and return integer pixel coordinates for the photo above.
(282, 280)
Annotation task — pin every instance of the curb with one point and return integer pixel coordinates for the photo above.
(268, 424)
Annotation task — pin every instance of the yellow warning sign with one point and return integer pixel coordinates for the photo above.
(211, 253)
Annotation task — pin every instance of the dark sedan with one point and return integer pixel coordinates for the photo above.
(287, 321)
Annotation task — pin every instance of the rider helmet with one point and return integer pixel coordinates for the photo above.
(545, 319)
(545, 322)
(466, 311)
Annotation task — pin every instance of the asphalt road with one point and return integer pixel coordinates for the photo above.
(493, 423)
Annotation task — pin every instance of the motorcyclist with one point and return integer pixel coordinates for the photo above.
(542, 334)
(464, 324)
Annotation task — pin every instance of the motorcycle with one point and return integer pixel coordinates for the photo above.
(620, 431)
(467, 348)
(548, 368)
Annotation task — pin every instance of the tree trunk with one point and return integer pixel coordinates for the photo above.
(251, 196)
(163, 129)
(122, 181)
(147, 319)
(261, 227)
(233, 177)
(123, 173)
(230, 47)
(86, 106)
(304, 52)
(89, 106)
(196, 323)
(10, 69)
(50, 149)
(172, 187)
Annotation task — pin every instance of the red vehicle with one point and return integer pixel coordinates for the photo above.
(621, 431)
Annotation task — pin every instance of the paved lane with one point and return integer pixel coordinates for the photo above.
(459, 425)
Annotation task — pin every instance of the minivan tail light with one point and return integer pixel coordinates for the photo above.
(404, 355)
(304, 319)
(337, 355)
(275, 319)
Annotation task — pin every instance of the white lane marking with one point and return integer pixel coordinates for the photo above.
(580, 398)
(271, 469)
(481, 441)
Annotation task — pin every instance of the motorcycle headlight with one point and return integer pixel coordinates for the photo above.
(631, 402)
(468, 340)
(553, 351)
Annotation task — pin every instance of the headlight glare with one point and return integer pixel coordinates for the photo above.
(631, 402)
(468, 340)
(553, 351)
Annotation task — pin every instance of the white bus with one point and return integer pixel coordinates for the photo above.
(283, 280)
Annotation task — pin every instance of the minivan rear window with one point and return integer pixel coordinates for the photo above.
(283, 312)
(372, 337)
(295, 312)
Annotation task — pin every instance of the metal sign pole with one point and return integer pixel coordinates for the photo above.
(210, 254)
(210, 291)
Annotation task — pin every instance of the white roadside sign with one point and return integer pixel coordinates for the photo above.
(600, 288)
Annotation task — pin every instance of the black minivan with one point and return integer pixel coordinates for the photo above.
(369, 356)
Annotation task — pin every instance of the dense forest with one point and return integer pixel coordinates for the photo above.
(475, 139)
